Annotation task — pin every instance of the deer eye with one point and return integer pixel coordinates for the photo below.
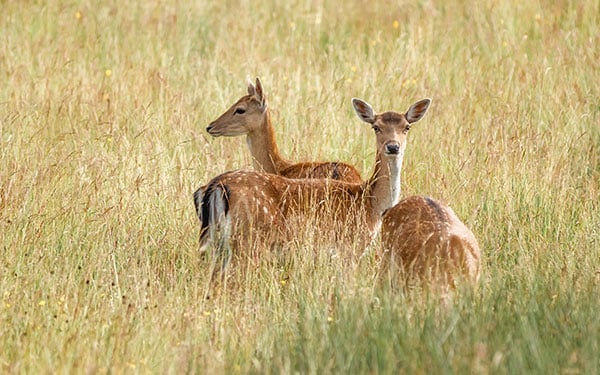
(377, 129)
(406, 129)
(240, 111)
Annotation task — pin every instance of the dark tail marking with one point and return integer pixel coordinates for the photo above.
(435, 206)
(204, 199)
(198, 195)
(336, 172)
(441, 216)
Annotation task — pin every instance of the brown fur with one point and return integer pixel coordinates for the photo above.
(255, 124)
(269, 205)
(423, 239)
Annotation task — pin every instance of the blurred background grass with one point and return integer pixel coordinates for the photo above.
(103, 107)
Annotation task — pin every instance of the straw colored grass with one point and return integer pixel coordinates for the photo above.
(103, 107)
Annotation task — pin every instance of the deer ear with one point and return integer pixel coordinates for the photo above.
(260, 94)
(251, 89)
(363, 110)
(417, 110)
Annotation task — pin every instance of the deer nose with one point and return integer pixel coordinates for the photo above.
(210, 126)
(392, 149)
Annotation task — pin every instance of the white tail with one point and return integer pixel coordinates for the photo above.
(264, 204)
(250, 116)
(424, 240)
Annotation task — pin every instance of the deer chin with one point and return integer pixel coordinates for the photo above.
(229, 133)
(392, 156)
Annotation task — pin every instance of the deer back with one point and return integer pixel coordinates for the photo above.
(426, 240)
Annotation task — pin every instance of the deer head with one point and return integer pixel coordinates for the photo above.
(391, 130)
(245, 116)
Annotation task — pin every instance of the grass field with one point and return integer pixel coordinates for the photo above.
(103, 107)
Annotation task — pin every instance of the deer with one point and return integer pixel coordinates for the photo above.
(423, 240)
(250, 116)
(238, 205)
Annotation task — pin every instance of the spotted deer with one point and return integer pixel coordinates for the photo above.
(239, 204)
(424, 240)
(250, 116)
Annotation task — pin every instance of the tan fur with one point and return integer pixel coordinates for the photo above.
(255, 124)
(267, 205)
(423, 239)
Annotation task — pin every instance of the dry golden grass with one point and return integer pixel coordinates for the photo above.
(103, 108)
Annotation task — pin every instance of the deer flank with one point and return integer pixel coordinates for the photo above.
(425, 241)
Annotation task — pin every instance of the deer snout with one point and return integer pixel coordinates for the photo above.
(392, 148)
(210, 127)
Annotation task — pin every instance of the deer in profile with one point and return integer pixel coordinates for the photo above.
(424, 240)
(237, 205)
(250, 116)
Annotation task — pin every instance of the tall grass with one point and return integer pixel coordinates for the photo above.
(102, 114)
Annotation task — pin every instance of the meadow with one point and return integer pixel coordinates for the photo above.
(103, 110)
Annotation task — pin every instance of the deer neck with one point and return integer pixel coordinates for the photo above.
(262, 145)
(383, 188)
